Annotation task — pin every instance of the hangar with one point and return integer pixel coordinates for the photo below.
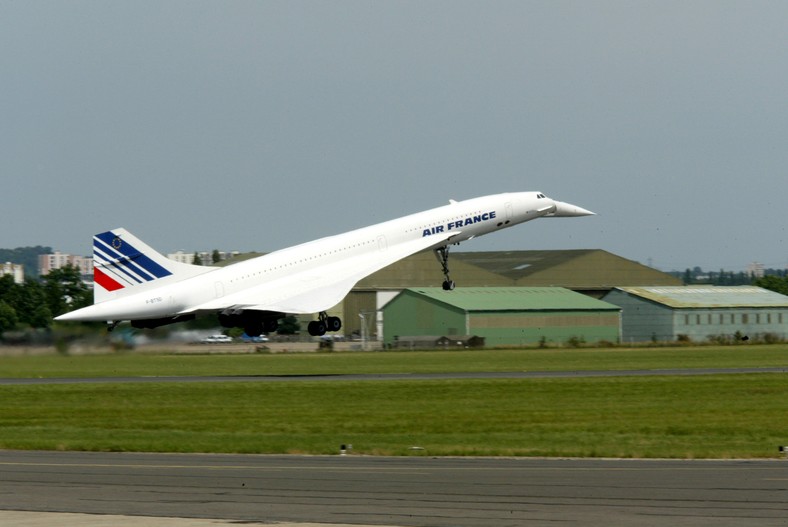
(700, 313)
(593, 272)
(503, 316)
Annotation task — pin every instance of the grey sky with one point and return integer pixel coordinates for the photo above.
(256, 125)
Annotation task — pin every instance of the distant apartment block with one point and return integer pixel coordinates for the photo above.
(15, 270)
(756, 269)
(57, 260)
(205, 257)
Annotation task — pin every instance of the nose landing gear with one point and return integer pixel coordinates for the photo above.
(442, 254)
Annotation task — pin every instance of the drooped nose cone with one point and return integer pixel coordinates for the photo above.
(567, 210)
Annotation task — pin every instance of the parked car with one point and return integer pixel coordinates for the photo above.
(247, 338)
(217, 339)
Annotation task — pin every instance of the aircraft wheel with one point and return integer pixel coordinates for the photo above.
(333, 324)
(253, 329)
(448, 285)
(270, 325)
(316, 328)
(229, 321)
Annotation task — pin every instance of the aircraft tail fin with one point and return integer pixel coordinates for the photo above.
(123, 264)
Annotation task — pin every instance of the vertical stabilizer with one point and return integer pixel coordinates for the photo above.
(123, 264)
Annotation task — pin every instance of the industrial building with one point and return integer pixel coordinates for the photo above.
(503, 316)
(700, 313)
(593, 272)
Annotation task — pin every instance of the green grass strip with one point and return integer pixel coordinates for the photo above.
(721, 416)
(137, 364)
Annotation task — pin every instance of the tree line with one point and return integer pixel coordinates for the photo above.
(773, 279)
(696, 275)
(34, 303)
(778, 284)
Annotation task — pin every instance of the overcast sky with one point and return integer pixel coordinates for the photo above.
(254, 125)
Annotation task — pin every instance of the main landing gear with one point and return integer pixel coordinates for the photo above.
(254, 323)
(318, 328)
(442, 254)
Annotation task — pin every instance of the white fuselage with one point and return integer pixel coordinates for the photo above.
(468, 219)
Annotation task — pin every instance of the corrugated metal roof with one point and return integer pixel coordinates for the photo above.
(517, 264)
(514, 299)
(576, 269)
(710, 296)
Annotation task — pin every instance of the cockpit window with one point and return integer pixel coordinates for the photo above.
(540, 196)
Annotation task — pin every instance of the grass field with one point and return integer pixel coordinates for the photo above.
(720, 416)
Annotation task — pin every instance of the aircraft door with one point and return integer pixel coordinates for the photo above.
(382, 244)
(509, 212)
(219, 288)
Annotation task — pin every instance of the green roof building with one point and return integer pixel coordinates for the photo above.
(700, 313)
(593, 272)
(503, 316)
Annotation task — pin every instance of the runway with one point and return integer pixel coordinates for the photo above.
(392, 491)
(394, 376)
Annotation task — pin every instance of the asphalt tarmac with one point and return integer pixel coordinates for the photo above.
(395, 376)
(186, 490)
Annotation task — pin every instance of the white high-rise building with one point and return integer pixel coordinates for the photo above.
(205, 256)
(755, 269)
(15, 270)
(57, 260)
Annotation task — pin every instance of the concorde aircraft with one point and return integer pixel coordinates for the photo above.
(134, 282)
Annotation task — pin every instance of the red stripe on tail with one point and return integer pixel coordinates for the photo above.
(107, 282)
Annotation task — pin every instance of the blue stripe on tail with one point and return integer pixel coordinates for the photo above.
(126, 255)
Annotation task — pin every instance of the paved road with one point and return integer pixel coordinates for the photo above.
(398, 376)
(411, 491)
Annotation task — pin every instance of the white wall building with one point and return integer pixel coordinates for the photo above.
(15, 270)
(58, 260)
(205, 256)
(755, 269)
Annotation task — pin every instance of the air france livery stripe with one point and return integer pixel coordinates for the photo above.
(107, 282)
(127, 264)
